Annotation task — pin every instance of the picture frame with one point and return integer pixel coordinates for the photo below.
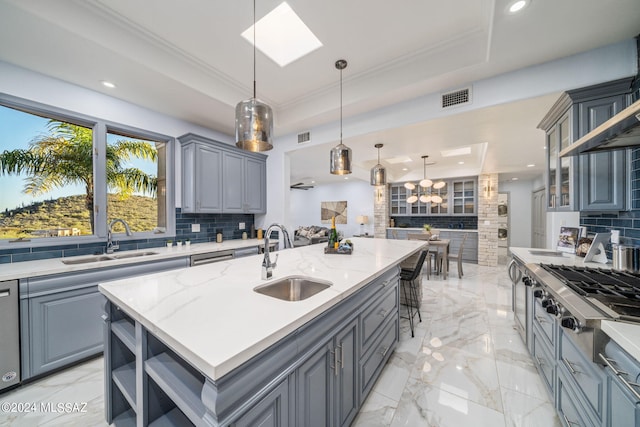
(568, 239)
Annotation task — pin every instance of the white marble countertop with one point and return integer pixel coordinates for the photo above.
(626, 334)
(459, 230)
(21, 270)
(526, 256)
(211, 316)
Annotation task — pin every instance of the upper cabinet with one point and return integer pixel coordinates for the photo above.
(593, 181)
(459, 197)
(219, 178)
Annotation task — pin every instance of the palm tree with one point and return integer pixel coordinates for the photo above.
(65, 157)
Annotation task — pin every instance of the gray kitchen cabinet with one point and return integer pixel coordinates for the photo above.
(603, 183)
(219, 178)
(65, 328)
(623, 408)
(60, 321)
(327, 382)
(592, 181)
(271, 411)
(459, 197)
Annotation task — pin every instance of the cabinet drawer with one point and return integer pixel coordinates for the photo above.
(374, 360)
(545, 322)
(544, 360)
(589, 377)
(375, 316)
(569, 410)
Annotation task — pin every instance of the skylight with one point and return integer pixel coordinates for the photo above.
(282, 36)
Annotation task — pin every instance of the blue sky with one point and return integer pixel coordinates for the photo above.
(17, 129)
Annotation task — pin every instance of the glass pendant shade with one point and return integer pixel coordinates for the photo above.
(378, 172)
(378, 175)
(409, 186)
(254, 125)
(436, 199)
(426, 199)
(340, 160)
(439, 185)
(412, 199)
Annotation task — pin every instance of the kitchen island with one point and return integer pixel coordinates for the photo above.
(199, 346)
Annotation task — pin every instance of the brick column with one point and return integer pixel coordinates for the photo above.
(488, 220)
(380, 211)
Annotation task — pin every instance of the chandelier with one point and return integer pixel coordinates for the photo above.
(426, 184)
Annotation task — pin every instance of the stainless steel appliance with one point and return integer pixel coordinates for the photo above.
(582, 297)
(9, 335)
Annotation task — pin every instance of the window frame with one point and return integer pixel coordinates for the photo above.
(100, 129)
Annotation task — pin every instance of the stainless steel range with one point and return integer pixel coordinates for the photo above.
(582, 297)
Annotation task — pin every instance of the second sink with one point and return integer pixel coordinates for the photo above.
(293, 288)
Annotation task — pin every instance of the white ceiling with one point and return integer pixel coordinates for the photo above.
(187, 59)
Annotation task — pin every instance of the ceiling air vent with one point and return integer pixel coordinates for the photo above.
(457, 97)
(304, 137)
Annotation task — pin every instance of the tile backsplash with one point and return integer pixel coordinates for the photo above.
(465, 222)
(209, 224)
(627, 222)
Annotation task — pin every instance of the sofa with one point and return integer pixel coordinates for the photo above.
(310, 235)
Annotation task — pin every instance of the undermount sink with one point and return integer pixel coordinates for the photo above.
(293, 288)
(87, 259)
(97, 258)
(133, 255)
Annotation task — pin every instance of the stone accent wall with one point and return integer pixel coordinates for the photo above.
(380, 211)
(488, 220)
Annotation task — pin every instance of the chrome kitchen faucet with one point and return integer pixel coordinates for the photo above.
(110, 246)
(267, 265)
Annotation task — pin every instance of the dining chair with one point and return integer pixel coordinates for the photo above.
(409, 283)
(458, 256)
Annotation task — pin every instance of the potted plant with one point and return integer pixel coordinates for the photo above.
(169, 243)
(427, 228)
(187, 242)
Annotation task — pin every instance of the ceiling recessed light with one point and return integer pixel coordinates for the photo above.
(517, 6)
(283, 37)
(405, 169)
(530, 165)
(313, 182)
(108, 84)
(514, 178)
(461, 163)
(346, 177)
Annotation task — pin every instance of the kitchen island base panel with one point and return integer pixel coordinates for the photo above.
(153, 384)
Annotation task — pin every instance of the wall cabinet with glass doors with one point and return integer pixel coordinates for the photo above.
(459, 197)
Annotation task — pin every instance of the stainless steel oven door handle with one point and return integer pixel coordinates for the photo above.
(510, 269)
(626, 383)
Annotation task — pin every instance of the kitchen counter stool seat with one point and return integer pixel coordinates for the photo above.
(408, 283)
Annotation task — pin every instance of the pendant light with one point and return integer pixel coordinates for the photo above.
(378, 172)
(254, 118)
(425, 183)
(340, 156)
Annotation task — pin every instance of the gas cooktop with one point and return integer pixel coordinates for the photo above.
(618, 290)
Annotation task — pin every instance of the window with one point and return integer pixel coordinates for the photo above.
(59, 170)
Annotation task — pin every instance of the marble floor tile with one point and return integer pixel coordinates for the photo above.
(465, 366)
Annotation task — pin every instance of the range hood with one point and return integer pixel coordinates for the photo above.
(620, 131)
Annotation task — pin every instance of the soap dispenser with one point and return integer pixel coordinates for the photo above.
(219, 235)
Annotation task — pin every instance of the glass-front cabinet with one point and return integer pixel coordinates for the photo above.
(459, 197)
(559, 173)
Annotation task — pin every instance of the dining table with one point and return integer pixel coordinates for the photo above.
(441, 246)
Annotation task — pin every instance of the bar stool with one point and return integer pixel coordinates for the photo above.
(408, 284)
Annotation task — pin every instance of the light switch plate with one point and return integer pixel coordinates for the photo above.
(195, 228)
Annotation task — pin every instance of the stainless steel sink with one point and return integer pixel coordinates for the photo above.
(133, 255)
(87, 259)
(98, 258)
(293, 288)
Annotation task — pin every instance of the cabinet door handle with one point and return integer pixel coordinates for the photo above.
(385, 283)
(540, 361)
(335, 363)
(384, 351)
(629, 385)
(541, 319)
(5, 293)
(383, 313)
(570, 366)
(569, 423)
(341, 355)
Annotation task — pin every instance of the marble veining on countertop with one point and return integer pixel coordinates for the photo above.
(626, 334)
(21, 270)
(211, 316)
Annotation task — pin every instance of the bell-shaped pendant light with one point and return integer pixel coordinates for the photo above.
(378, 172)
(254, 118)
(340, 155)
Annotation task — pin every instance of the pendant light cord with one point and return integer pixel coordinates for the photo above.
(341, 106)
(254, 49)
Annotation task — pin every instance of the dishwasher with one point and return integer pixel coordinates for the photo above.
(9, 335)
(209, 257)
